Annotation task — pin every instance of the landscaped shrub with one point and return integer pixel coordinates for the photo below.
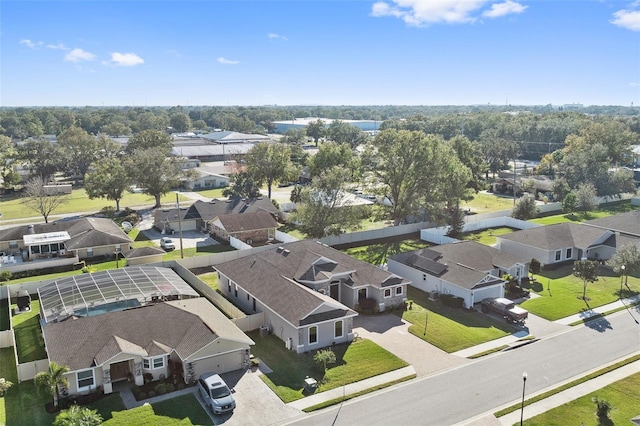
(180, 386)
(142, 395)
(152, 394)
(451, 301)
(368, 306)
(170, 387)
(108, 211)
(5, 276)
(147, 377)
(160, 389)
(4, 386)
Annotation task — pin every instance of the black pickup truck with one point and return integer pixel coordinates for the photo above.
(505, 307)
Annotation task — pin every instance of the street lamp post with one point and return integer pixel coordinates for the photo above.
(524, 382)
(622, 268)
(179, 226)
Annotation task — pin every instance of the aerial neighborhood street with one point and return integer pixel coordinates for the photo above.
(375, 212)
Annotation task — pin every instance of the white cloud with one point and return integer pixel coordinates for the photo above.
(425, 12)
(125, 59)
(31, 44)
(629, 19)
(226, 61)
(277, 36)
(501, 9)
(77, 55)
(174, 53)
(59, 46)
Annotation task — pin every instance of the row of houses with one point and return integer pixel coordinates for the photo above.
(112, 325)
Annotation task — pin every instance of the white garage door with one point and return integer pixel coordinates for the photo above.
(483, 293)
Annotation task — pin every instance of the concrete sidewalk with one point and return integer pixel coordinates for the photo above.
(352, 388)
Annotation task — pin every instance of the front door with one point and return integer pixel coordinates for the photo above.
(334, 291)
(362, 294)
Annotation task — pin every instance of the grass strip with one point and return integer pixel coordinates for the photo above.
(566, 386)
(488, 352)
(357, 394)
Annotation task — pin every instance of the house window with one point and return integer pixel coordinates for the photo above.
(158, 362)
(558, 254)
(387, 292)
(313, 335)
(45, 248)
(153, 363)
(398, 291)
(35, 249)
(424, 277)
(236, 290)
(337, 329)
(254, 304)
(89, 251)
(229, 286)
(13, 244)
(85, 379)
(569, 253)
(247, 296)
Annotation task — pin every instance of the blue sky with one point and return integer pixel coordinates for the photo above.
(330, 52)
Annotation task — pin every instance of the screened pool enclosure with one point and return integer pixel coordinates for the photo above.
(108, 291)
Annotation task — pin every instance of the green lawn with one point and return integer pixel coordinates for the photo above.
(623, 396)
(483, 203)
(561, 293)
(29, 341)
(182, 410)
(377, 254)
(22, 405)
(450, 329)
(487, 236)
(78, 201)
(212, 193)
(604, 210)
(356, 361)
(211, 279)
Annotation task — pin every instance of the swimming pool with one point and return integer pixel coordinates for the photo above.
(119, 305)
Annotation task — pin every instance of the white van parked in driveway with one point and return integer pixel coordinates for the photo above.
(216, 394)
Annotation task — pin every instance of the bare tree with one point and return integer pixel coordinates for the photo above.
(41, 199)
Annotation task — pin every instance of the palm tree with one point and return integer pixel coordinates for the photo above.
(78, 416)
(50, 381)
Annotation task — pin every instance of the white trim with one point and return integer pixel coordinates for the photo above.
(85, 388)
(341, 329)
(152, 360)
(309, 335)
(385, 290)
(401, 291)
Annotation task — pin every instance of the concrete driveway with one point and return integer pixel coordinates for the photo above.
(256, 404)
(190, 239)
(392, 333)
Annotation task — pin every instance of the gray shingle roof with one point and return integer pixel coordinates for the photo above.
(84, 232)
(557, 236)
(194, 323)
(626, 223)
(233, 223)
(270, 276)
(210, 210)
(464, 263)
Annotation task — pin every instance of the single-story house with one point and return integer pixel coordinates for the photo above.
(198, 215)
(307, 291)
(83, 238)
(624, 223)
(157, 326)
(206, 179)
(465, 269)
(559, 243)
(142, 255)
(256, 228)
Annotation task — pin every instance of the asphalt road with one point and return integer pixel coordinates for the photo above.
(458, 395)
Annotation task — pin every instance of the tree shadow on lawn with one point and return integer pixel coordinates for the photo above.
(29, 340)
(377, 254)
